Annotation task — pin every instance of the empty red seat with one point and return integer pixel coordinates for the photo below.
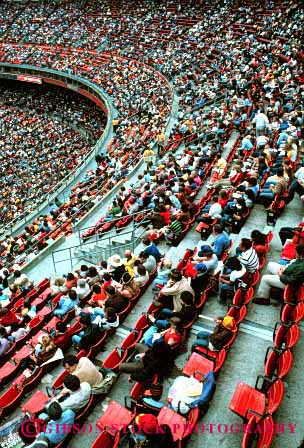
(259, 432)
(277, 363)
(285, 336)
(198, 363)
(293, 295)
(130, 341)
(36, 403)
(175, 421)
(9, 400)
(292, 313)
(117, 415)
(246, 398)
(106, 440)
(115, 358)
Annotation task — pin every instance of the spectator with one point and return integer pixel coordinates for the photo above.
(279, 276)
(75, 394)
(221, 335)
(221, 241)
(66, 304)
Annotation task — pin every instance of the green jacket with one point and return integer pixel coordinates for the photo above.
(294, 273)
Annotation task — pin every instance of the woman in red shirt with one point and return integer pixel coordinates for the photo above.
(9, 319)
(174, 334)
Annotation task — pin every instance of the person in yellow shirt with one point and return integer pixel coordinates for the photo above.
(148, 155)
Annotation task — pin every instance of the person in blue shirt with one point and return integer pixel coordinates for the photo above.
(66, 303)
(59, 423)
(151, 249)
(221, 241)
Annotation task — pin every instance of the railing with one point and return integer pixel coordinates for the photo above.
(99, 252)
(19, 222)
(110, 221)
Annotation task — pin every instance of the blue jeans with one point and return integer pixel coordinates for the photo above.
(202, 339)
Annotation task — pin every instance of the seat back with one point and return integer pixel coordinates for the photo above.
(266, 432)
(279, 335)
(271, 362)
(114, 359)
(238, 313)
(284, 363)
(274, 396)
(292, 335)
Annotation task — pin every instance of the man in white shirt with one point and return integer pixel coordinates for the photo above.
(78, 393)
(261, 122)
(215, 211)
(248, 257)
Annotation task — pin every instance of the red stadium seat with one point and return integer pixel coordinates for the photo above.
(248, 401)
(114, 359)
(276, 363)
(115, 414)
(197, 363)
(259, 432)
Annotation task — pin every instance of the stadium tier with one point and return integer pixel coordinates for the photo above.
(151, 223)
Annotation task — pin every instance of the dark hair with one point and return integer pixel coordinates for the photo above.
(141, 270)
(72, 294)
(187, 298)
(17, 274)
(110, 290)
(54, 410)
(71, 382)
(85, 320)
(3, 332)
(218, 228)
(246, 243)
(111, 312)
(252, 181)
(92, 272)
(84, 267)
(177, 322)
(71, 360)
(175, 275)
(280, 171)
(250, 194)
(233, 263)
(143, 255)
(258, 237)
(70, 276)
(61, 326)
(146, 241)
(96, 288)
(107, 276)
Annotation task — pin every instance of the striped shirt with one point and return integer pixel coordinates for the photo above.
(250, 260)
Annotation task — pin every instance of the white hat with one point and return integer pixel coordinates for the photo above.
(115, 261)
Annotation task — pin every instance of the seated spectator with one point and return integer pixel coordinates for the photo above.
(115, 300)
(98, 296)
(129, 261)
(297, 185)
(259, 242)
(92, 276)
(232, 274)
(129, 287)
(4, 342)
(70, 282)
(148, 432)
(248, 256)
(141, 275)
(66, 303)
(280, 275)
(109, 319)
(173, 231)
(75, 395)
(171, 292)
(148, 261)
(151, 249)
(234, 211)
(116, 267)
(288, 233)
(148, 362)
(21, 281)
(221, 241)
(57, 420)
(82, 289)
(9, 319)
(61, 336)
(212, 212)
(90, 334)
(86, 371)
(186, 314)
(275, 185)
(162, 275)
(221, 335)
